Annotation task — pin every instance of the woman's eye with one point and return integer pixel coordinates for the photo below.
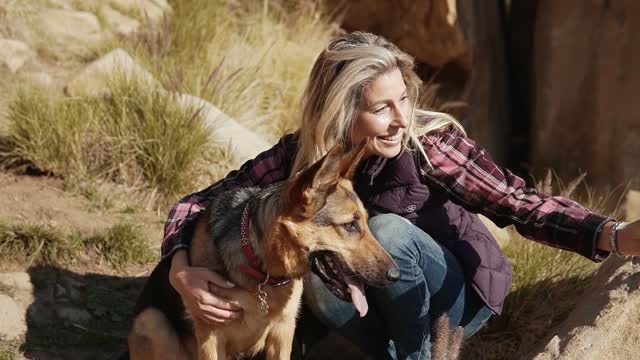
(380, 110)
(404, 98)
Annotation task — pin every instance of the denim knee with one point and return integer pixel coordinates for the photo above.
(398, 237)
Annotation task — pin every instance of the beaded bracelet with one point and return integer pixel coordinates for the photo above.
(613, 237)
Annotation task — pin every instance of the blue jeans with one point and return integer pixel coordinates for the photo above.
(399, 321)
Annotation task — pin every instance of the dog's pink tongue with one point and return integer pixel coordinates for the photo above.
(357, 296)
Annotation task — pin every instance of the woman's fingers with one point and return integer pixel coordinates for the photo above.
(213, 277)
(205, 298)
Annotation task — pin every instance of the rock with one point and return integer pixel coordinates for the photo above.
(73, 31)
(13, 324)
(154, 9)
(93, 80)
(19, 281)
(486, 92)
(426, 29)
(225, 130)
(584, 82)
(61, 4)
(73, 314)
(119, 23)
(605, 323)
(632, 205)
(14, 54)
(41, 78)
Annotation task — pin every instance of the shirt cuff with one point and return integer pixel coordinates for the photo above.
(599, 255)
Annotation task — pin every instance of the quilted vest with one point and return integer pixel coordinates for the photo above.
(396, 186)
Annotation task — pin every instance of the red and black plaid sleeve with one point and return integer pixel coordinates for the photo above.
(268, 167)
(474, 181)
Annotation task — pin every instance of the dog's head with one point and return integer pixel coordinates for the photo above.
(326, 219)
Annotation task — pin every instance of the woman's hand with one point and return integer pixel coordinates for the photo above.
(628, 238)
(192, 283)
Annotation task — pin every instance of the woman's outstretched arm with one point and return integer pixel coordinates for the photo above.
(472, 179)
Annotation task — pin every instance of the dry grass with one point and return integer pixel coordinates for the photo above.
(10, 350)
(33, 244)
(547, 283)
(135, 137)
(250, 59)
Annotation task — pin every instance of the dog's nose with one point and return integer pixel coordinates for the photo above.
(393, 274)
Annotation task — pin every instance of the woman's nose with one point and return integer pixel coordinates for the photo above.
(399, 117)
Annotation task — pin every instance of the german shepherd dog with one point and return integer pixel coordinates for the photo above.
(265, 241)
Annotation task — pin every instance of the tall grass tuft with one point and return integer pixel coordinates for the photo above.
(250, 59)
(547, 284)
(27, 243)
(136, 137)
(120, 245)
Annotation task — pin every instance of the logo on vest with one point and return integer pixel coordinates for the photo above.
(410, 208)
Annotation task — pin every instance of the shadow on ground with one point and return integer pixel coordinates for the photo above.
(78, 316)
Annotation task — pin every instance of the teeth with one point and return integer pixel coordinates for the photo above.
(390, 137)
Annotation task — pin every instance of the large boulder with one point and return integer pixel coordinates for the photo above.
(13, 324)
(487, 118)
(606, 322)
(583, 82)
(69, 30)
(632, 205)
(425, 29)
(153, 9)
(94, 79)
(119, 23)
(14, 54)
(226, 131)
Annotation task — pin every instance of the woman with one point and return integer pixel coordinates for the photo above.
(422, 181)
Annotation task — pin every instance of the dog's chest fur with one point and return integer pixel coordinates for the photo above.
(217, 246)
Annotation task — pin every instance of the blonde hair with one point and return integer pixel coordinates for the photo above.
(338, 79)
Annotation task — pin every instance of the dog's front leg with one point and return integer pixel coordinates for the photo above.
(280, 340)
(210, 346)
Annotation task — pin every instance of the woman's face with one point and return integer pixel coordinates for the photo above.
(383, 115)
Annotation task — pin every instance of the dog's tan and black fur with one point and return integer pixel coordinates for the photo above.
(312, 222)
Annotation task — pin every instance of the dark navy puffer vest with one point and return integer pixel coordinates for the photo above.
(396, 186)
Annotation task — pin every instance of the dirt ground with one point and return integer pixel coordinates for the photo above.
(71, 312)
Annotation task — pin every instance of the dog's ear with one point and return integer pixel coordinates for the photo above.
(350, 160)
(310, 187)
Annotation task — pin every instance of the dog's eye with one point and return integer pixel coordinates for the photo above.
(351, 227)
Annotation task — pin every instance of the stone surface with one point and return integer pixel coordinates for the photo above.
(19, 281)
(14, 54)
(93, 80)
(73, 31)
(225, 130)
(119, 23)
(154, 9)
(12, 319)
(486, 92)
(632, 205)
(584, 86)
(426, 29)
(605, 324)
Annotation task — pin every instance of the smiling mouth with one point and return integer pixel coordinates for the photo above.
(391, 138)
(339, 279)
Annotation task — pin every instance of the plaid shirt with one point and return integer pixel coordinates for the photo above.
(460, 168)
